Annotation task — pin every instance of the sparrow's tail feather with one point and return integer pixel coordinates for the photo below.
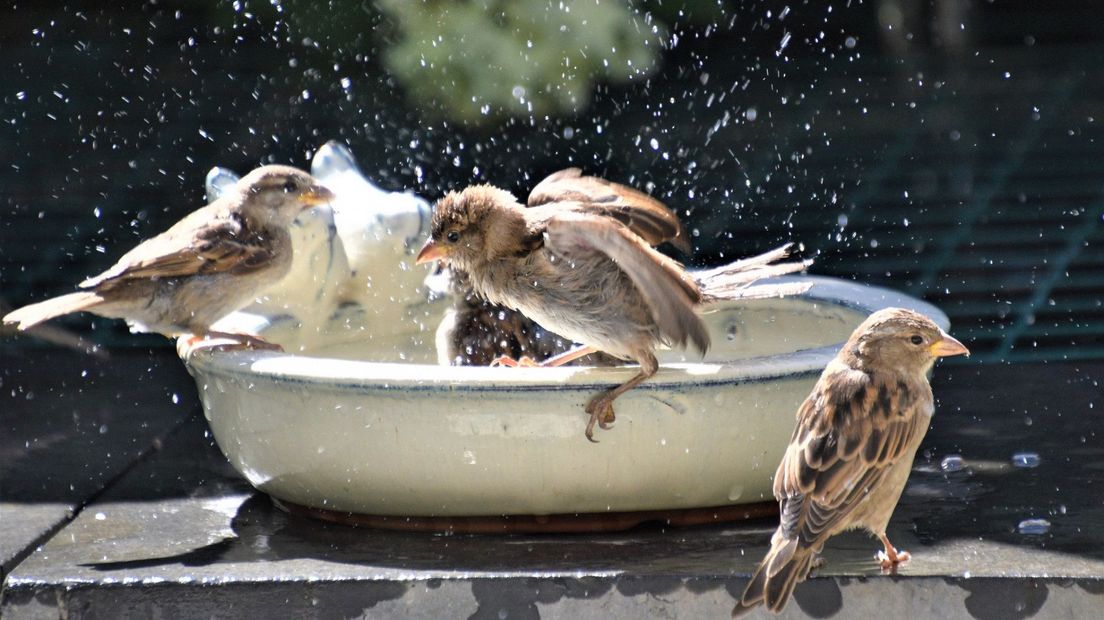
(734, 280)
(29, 316)
(775, 579)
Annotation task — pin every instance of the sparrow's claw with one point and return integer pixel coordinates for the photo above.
(601, 413)
(589, 432)
(506, 360)
(890, 557)
(606, 419)
(224, 342)
(890, 563)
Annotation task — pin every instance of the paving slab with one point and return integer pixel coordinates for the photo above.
(70, 423)
(182, 535)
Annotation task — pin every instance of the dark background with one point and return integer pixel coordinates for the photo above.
(948, 149)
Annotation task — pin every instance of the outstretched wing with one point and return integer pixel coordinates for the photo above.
(670, 292)
(210, 240)
(644, 215)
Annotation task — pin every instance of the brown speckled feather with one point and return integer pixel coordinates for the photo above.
(214, 239)
(849, 430)
(644, 215)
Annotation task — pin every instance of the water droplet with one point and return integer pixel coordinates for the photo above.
(782, 45)
(1025, 459)
(1033, 527)
(952, 463)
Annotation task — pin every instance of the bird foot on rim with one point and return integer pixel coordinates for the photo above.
(186, 345)
(509, 362)
(601, 413)
(890, 558)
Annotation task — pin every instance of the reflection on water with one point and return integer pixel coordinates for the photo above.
(1049, 494)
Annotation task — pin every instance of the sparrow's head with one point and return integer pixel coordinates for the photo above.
(904, 340)
(469, 227)
(277, 194)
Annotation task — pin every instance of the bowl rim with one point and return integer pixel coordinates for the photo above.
(360, 376)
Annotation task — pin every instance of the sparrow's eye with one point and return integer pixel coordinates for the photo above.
(290, 186)
(452, 236)
(917, 339)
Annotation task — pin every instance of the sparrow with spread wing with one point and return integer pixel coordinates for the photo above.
(579, 261)
(852, 449)
(213, 262)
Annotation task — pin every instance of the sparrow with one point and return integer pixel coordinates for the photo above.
(579, 261)
(209, 264)
(852, 449)
(475, 332)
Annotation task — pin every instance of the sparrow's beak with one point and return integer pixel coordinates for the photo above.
(316, 195)
(431, 251)
(947, 346)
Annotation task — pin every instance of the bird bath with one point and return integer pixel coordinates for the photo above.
(356, 418)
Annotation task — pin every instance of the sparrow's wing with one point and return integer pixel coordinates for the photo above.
(206, 242)
(643, 214)
(849, 431)
(670, 292)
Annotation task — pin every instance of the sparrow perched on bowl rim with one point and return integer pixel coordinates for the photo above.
(579, 261)
(213, 262)
(852, 449)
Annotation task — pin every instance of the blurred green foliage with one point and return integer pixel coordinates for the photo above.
(486, 58)
(477, 61)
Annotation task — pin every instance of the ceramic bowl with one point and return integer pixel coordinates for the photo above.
(360, 420)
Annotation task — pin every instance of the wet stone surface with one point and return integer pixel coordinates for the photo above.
(70, 423)
(181, 534)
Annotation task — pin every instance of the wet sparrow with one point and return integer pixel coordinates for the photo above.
(852, 449)
(475, 332)
(579, 262)
(212, 262)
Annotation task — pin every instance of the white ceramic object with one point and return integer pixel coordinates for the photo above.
(401, 436)
(353, 262)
